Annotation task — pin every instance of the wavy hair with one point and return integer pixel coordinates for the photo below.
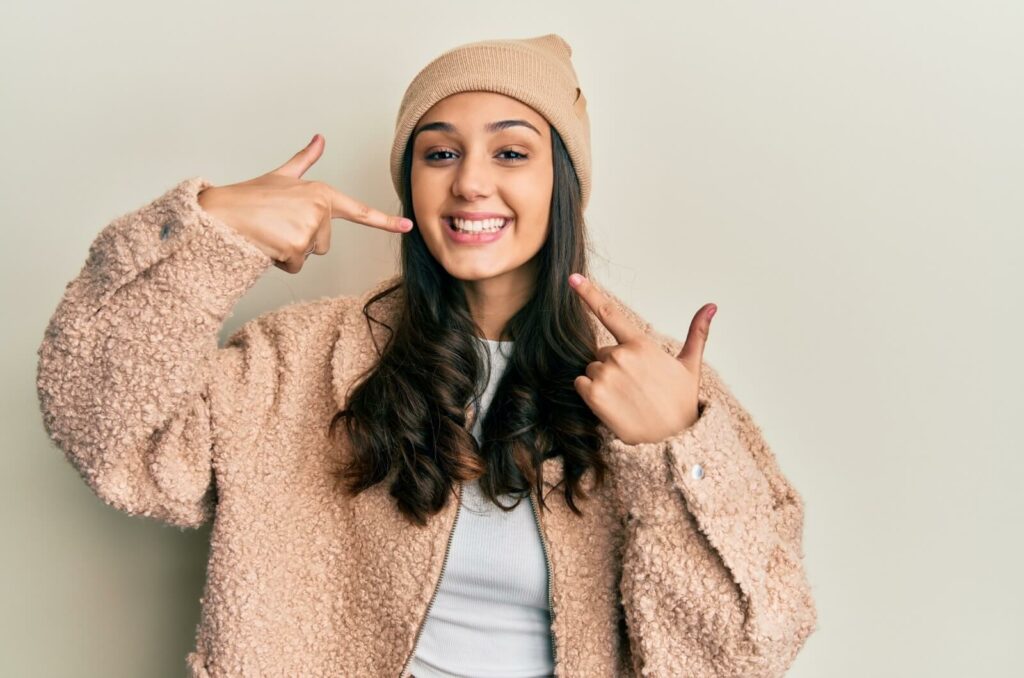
(407, 416)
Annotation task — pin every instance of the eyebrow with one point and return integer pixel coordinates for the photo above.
(489, 127)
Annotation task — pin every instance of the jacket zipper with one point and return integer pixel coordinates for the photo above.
(437, 585)
(547, 563)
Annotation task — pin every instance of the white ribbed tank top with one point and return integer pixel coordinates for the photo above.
(490, 617)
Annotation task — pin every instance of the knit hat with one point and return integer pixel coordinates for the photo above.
(536, 71)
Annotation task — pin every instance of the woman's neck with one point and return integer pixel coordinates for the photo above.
(493, 301)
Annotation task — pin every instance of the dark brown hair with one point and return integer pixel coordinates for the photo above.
(406, 415)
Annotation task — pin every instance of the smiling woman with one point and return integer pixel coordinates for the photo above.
(485, 465)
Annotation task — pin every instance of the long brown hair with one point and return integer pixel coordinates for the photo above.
(406, 416)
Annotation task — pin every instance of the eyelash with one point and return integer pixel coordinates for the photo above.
(522, 156)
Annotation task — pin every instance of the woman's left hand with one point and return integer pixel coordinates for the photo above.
(640, 392)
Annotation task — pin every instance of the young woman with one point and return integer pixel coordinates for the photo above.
(485, 465)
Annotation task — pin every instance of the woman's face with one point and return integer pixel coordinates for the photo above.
(482, 156)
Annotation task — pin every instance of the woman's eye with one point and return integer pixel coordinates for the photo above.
(431, 156)
(522, 156)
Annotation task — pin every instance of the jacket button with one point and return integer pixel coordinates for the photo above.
(697, 471)
(165, 231)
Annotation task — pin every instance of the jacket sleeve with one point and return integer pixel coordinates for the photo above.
(712, 571)
(130, 357)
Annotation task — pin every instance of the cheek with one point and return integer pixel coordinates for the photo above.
(427, 196)
(533, 206)
(531, 230)
(539, 234)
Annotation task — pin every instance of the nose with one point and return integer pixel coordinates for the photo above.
(473, 179)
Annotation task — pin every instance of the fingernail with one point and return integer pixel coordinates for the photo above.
(575, 279)
(314, 138)
(407, 224)
(711, 313)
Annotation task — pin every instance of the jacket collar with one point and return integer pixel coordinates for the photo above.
(358, 351)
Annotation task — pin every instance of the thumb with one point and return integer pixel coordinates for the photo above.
(692, 353)
(304, 159)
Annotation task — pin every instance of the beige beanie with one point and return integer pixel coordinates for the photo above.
(537, 71)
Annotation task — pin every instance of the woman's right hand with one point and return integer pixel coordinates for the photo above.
(290, 218)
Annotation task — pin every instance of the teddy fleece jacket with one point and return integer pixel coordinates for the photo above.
(688, 562)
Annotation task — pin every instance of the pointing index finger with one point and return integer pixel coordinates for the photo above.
(347, 207)
(604, 308)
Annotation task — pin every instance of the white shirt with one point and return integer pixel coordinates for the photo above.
(490, 616)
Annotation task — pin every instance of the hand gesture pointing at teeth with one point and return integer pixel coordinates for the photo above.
(289, 217)
(640, 392)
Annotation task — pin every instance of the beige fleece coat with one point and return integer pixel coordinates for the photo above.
(670, 572)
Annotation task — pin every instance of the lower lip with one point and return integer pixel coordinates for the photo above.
(464, 238)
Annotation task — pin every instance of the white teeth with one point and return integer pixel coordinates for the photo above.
(479, 226)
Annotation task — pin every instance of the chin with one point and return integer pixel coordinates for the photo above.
(473, 274)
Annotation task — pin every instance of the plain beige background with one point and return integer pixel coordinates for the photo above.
(844, 179)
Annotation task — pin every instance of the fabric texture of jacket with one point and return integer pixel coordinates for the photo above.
(688, 562)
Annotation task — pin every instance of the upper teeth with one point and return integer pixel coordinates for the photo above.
(479, 225)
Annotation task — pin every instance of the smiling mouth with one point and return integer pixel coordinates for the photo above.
(450, 223)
